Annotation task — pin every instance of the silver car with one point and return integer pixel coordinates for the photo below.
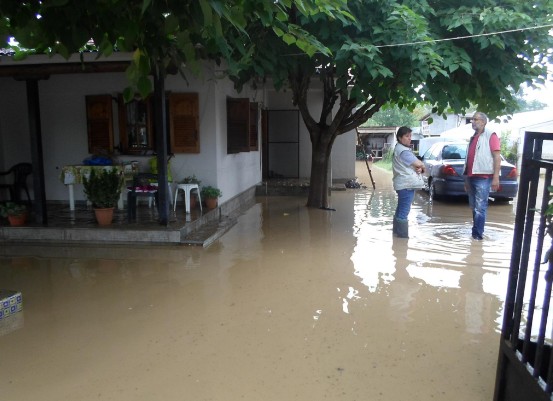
(444, 163)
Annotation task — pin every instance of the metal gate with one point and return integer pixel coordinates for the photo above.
(525, 366)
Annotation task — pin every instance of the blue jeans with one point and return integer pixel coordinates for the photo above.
(478, 190)
(404, 200)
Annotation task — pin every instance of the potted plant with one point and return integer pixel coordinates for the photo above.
(210, 195)
(14, 212)
(191, 179)
(103, 188)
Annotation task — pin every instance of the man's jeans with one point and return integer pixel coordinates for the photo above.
(404, 199)
(478, 190)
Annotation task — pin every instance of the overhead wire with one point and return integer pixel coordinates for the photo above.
(466, 36)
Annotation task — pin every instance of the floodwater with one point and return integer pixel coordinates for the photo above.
(291, 304)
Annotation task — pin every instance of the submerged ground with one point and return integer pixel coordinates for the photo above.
(290, 304)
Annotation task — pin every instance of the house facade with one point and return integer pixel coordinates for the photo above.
(82, 114)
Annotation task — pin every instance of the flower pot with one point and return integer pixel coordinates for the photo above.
(211, 203)
(193, 201)
(17, 220)
(104, 216)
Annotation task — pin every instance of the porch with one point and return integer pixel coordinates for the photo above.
(79, 225)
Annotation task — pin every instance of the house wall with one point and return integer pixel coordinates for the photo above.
(440, 124)
(64, 132)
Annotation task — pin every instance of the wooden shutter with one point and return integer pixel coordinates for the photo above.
(238, 125)
(184, 123)
(99, 121)
(254, 124)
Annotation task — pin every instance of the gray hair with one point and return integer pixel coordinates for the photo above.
(482, 116)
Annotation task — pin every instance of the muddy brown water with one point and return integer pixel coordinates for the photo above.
(290, 304)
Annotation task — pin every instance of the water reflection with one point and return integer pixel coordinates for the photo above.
(439, 253)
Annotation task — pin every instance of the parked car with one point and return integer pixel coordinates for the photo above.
(444, 163)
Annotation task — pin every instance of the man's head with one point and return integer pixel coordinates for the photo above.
(479, 121)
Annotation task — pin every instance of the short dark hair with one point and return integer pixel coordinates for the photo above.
(402, 131)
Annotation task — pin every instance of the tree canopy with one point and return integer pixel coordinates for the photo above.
(406, 53)
(364, 53)
(164, 35)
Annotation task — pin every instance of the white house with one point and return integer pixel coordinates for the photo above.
(277, 143)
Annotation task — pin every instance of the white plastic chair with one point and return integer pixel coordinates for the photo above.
(187, 188)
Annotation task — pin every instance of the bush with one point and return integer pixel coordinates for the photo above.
(210, 192)
(103, 188)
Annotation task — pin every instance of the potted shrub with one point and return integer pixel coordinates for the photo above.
(210, 195)
(103, 188)
(14, 212)
(191, 179)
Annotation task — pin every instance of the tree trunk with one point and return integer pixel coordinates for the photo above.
(318, 184)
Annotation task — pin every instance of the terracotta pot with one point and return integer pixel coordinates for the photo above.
(193, 201)
(17, 220)
(211, 203)
(104, 216)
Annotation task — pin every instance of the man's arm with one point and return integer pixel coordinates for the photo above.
(418, 166)
(496, 167)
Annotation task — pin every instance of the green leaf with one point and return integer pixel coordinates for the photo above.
(144, 86)
(207, 13)
(288, 39)
(128, 94)
(171, 24)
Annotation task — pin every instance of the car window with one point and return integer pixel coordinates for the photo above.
(428, 154)
(436, 151)
(455, 152)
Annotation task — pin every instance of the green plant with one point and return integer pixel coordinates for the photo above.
(12, 209)
(210, 192)
(102, 188)
(191, 179)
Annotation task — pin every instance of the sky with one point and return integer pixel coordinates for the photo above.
(544, 94)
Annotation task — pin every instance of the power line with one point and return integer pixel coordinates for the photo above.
(466, 37)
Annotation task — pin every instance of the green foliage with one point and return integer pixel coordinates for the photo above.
(392, 116)
(387, 158)
(12, 209)
(404, 53)
(163, 35)
(103, 188)
(191, 179)
(366, 53)
(509, 149)
(210, 192)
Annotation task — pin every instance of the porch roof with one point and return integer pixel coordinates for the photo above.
(42, 66)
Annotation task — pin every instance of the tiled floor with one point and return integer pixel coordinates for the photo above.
(80, 225)
(59, 215)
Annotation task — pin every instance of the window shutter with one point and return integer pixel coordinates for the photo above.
(99, 118)
(184, 123)
(238, 125)
(254, 124)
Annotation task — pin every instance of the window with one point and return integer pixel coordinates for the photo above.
(135, 126)
(136, 129)
(242, 125)
(99, 125)
(254, 126)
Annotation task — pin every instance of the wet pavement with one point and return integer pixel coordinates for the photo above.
(290, 304)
